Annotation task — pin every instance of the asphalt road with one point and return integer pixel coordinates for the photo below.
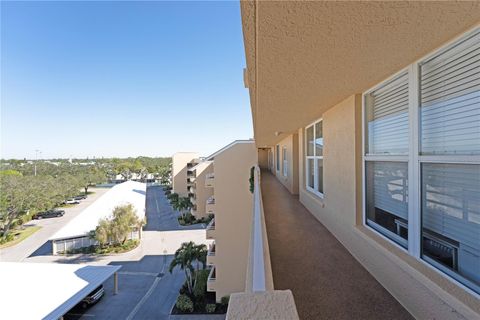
(160, 215)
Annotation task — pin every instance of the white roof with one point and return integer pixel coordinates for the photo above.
(47, 290)
(124, 193)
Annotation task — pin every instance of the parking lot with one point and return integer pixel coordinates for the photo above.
(146, 289)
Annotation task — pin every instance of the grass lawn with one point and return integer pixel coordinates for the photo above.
(20, 235)
(66, 205)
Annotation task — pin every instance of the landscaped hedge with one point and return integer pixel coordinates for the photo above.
(203, 302)
(184, 303)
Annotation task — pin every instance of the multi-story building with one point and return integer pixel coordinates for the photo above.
(181, 162)
(367, 115)
(199, 188)
(231, 204)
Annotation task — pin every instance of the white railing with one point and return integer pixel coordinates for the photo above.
(211, 249)
(211, 200)
(260, 269)
(211, 225)
(260, 300)
(212, 275)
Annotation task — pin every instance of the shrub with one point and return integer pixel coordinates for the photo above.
(224, 301)
(199, 304)
(189, 218)
(210, 307)
(184, 303)
(184, 288)
(251, 180)
(201, 284)
(10, 236)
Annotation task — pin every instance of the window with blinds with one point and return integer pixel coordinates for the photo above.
(450, 100)
(387, 199)
(451, 217)
(387, 117)
(445, 211)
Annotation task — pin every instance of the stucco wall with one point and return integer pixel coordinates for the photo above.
(179, 171)
(202, 193)
(423, 291)
(263, 158)
(291, 180)
(233, 216)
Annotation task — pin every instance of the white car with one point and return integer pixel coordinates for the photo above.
(71, 201)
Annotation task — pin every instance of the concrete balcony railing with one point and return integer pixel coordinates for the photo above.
(211, 282)
(211, 254)
(210, 180)
(260, 300)
(210, 231)
(210, 205)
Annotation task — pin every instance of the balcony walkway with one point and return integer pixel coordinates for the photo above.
(327, 282)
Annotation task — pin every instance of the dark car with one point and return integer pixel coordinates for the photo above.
(80, 197)
(93, 297)
(49, 214)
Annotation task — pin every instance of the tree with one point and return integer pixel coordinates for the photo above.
(90, 178)
(17, 197)
(184, 205)
(115, 230)
(184, 258)
(124, 169)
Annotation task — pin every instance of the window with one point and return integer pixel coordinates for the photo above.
(386, 117)
(439, 152)
(277, 157)
(449, 84)
(285, 162)
(314, 158)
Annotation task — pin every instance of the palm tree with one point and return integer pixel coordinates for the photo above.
(184, 258)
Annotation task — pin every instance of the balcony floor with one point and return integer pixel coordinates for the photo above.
(330, 285)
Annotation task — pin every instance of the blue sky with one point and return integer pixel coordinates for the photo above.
(121, 78)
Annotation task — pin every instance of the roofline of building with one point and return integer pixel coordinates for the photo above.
(213, 155)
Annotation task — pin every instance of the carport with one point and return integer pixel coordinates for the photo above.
(48, 290)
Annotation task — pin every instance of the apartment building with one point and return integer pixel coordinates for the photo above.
(181, 162)
(231, 203)
(367, 120)
(199, 187)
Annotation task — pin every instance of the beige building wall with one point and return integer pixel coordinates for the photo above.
(200, 191)
(290, 181)
(423, 291)
(179, 171)
(233, 216)
(263, 158)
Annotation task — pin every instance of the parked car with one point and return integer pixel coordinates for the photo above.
(93, 297)
(49, 214)
(71, 201)
(82, 197)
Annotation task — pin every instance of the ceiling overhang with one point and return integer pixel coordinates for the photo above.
(305, 57)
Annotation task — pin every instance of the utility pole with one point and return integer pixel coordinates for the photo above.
(36, 158)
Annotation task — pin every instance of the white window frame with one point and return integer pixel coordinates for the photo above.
(415, 160)
(315, 158)
(285, 161)
(277, 158)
